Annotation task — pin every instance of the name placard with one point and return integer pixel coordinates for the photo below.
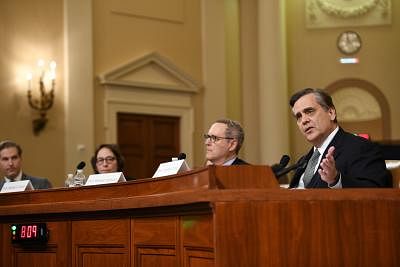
(171, 168)
(17, 186)
(105, 178)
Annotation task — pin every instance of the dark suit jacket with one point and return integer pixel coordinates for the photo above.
(37, 183)
(358, 160)
(239, 161)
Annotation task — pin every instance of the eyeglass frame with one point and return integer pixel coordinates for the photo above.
(214, 138)
(108, 160)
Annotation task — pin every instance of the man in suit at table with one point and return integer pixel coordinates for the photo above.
(11, 166)
(223, 142)
(341, 159)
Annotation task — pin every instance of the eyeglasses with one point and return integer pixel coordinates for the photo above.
(109, 160)
(215, 138)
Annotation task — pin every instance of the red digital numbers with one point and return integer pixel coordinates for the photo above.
(28, 231)
(23, 231)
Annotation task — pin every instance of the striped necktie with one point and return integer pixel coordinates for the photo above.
(309, 172)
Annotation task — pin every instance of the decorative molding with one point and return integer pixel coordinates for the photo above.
(356, 104)
(171, 11)
(335, 9)
(341, 13)
(129, 14)
(149, 85)
(352, 107)
(151, 71)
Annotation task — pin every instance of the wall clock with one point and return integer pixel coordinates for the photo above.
(349, 42)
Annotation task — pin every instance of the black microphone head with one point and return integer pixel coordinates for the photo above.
(181, 156)
(282, 164)
(284, 161)
(301, 163)
(81, 165)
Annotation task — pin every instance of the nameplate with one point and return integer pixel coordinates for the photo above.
(18, 186)
(171, 168)
(105, 178)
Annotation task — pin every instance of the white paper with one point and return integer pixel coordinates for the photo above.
(171, 168)
(392, 164)
(18, 186)
(105, 178)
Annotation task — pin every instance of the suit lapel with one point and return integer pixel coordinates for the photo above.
(316, 181)
(24, 177)
(299, 171)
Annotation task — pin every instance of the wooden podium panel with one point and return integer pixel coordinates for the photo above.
(56, 253)
(155, 241)
(97, 198)
(100, 242)
(321, 232)
(211, 217)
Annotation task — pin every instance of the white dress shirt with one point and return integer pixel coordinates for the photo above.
(321, 151)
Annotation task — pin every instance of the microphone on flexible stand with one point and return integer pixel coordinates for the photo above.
(282, 164)
(302, 163)
(80, 166)
(78, 179)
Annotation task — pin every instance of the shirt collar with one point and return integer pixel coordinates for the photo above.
(229, 162)
(327, 141)
(18, 178)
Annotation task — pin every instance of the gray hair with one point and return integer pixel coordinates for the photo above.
(233, 130)
(322, 97)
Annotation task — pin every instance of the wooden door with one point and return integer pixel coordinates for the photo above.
(146, 141)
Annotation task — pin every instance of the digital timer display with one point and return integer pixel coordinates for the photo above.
(29, 233)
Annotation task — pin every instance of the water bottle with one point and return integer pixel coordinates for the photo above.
(79, 178)
(69, 182)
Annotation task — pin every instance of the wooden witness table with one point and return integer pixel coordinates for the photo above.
(210, 217)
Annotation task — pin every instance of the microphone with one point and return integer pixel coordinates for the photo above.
(81, 165)
(302, 163)
(181, 156)
(282, 164)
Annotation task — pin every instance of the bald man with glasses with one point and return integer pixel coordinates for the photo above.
(223, 142)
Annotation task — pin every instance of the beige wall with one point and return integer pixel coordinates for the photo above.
(313, 61)
(193, 35)
(32, 30)
(127, 30)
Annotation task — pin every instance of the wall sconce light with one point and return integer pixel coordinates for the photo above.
(46, 98)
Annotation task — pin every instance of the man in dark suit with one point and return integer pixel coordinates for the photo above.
(11, 166)
(340, 159)
(223, 142)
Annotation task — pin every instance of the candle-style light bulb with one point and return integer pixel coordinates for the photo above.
(52, 75)
(53, 65)
(29, 79)
(40, 63)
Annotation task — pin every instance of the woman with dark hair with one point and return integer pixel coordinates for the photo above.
(107, 158)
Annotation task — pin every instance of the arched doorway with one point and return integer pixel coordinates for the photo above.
(361, 107)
